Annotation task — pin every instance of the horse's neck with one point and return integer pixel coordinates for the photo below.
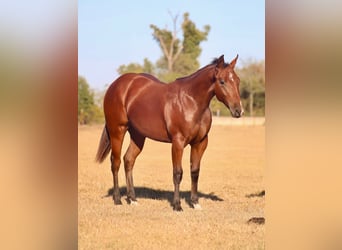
(200, 86)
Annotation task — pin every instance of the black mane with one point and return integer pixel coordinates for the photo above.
(215, 61)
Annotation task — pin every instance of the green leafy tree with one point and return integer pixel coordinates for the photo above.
(188, 62)
(88, 111)
(252, 86)
(147, 67)
(179, 56)
(169, 44)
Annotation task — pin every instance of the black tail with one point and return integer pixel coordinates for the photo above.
(104, 146)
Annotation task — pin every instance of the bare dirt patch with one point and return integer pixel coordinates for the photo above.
(231, 170)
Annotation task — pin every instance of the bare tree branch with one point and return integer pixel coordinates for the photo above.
(165, 51)
(173, 57)
(179, 51)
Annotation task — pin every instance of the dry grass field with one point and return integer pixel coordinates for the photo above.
(231, 172)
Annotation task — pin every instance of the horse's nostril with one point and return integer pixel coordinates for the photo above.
(237, 113)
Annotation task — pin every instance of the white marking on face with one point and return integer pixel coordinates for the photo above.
(230, 76)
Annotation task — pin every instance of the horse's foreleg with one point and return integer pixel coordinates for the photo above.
(135, 147)
(177, 153)
(197, 151)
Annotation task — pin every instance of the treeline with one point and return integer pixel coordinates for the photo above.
(179, 57)
(89, 109)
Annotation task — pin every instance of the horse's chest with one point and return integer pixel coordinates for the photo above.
(183, 116)
(182, 107)
(199, 131)
(193, 130)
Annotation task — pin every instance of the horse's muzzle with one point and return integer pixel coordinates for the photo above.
(237, 112)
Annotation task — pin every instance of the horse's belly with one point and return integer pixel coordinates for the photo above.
(149, 124)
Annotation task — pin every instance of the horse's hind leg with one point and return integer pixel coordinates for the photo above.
(116, 136)
(135, 147)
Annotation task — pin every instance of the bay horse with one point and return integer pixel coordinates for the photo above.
(176, 113)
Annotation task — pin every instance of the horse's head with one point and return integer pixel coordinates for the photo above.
(227, 85)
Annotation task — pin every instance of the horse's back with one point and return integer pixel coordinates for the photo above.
(151, 77)
(120, 89)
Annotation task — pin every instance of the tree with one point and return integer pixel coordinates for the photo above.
(147, 67)
(252, 77)
(180, 57)
(188, 62)
(88, 111)
(169, 43)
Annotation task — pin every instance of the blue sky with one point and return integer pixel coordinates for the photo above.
(111, 33)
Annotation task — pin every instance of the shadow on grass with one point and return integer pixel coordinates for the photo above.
(258, 194)
(157, 194)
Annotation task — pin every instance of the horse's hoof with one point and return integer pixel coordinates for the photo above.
(197, 206)
(117, 202)
(177, 208)
(134, 203)
(131, 201)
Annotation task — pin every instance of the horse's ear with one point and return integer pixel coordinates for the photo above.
(220, 62)
(233, 62)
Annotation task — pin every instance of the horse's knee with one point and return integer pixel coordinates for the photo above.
(195, 169)
(177, 176)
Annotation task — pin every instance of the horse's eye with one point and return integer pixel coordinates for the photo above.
(222, 81)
